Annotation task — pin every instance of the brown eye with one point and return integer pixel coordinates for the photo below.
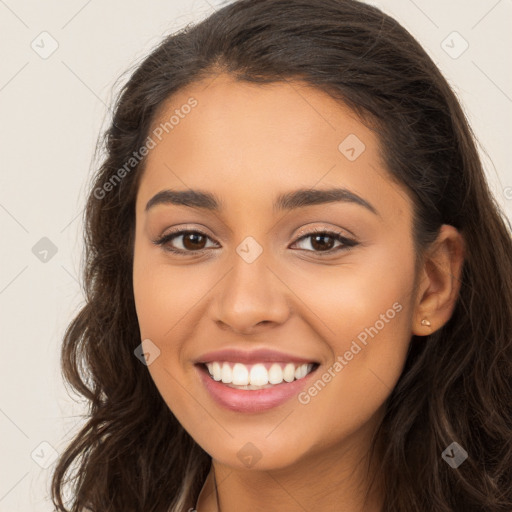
(323, 242)
(192, 242)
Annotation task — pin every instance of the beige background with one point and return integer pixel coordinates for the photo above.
(52, 110)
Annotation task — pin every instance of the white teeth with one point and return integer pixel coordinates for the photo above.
(216, 371)
(259, 375)
(275, 374)
(240, 375)
(289, 372)
(256, 376)
(226, 373)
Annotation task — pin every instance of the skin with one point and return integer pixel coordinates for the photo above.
(291, 298)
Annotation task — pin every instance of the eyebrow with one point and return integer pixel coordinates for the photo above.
(287, 201)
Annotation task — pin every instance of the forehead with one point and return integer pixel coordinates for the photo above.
(264, 139)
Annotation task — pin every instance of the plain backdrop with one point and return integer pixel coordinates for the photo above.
(59, 62)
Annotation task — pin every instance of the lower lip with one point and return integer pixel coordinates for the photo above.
(256, 400)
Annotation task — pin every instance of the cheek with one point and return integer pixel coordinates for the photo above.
(165, 293)
(369, 290)
(368, 309)
(351, 390)
(169, 301)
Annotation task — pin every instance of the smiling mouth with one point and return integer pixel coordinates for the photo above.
(257, 376)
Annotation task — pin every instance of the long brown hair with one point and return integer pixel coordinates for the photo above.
(132, 454)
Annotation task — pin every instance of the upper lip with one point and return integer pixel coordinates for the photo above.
(251, 356)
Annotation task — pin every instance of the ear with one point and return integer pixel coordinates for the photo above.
(439, 281)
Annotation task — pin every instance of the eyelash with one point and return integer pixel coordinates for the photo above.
(347, 242)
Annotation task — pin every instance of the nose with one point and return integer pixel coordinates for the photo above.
(251, 297)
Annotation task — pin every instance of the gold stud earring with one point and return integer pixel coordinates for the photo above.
(426, 322)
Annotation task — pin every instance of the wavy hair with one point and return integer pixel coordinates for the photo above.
(132, 454)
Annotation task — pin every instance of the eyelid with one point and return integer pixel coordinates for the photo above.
(184, 228)
(309, 231)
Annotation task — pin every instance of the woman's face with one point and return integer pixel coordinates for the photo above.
(266, 289)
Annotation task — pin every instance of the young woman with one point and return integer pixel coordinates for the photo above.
(298, 285)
